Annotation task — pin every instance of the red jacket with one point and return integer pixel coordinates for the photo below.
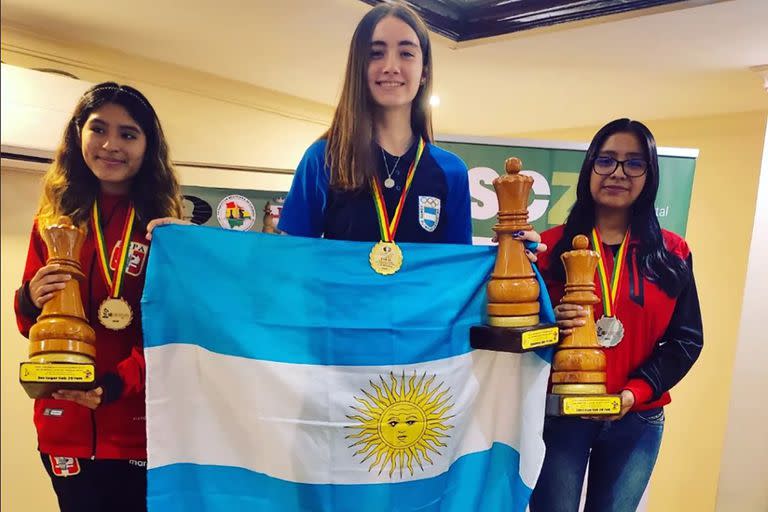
(117, 428)
(662, 334)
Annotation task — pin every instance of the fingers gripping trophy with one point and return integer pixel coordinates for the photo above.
(513, 292)
(62, 348)
(578, 368)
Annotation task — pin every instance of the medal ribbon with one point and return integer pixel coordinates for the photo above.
(387, 228)
(114, 282)
(610, 289)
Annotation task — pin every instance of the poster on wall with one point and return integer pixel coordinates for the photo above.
(554, 168)
(238, 210)
(555, 172)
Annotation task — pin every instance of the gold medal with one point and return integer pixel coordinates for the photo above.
(115, 313)
(386, 258)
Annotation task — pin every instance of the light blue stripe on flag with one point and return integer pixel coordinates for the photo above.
(312, 298)
(194, 488)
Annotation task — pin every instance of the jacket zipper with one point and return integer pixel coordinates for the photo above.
(93, 430)
(90, 306)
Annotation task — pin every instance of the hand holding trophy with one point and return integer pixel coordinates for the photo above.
(578, 368)
(62, 348)
(513, 291)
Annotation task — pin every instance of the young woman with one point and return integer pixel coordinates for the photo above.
(375, 175)
(657, 305)
(111, 175)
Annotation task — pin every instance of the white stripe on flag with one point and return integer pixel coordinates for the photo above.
(290, 421)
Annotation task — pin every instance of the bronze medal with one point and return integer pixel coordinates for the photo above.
(114, 312)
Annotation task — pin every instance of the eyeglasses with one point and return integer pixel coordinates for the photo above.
(632, 167)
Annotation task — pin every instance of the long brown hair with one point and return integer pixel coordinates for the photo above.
(69, 186)
(349, 152)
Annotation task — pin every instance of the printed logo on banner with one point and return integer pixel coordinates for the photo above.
(137, 254)
(236, 212)
(429, 212)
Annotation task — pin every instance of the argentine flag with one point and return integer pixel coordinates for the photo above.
(283, 374)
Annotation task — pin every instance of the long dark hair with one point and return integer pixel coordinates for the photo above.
(350, 138)
(655, 262)
(69, 186)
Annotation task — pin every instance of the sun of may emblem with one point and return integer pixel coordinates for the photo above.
(402, 423)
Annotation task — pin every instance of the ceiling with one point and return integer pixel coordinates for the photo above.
(676, 63)
(465, 20)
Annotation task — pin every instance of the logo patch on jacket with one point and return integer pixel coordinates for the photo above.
(137, 253)
(64, 466)
(429, 212)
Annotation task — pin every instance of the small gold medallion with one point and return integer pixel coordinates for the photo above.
(115, 313)
(386, 258)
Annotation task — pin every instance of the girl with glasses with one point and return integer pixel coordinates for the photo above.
(658, 308)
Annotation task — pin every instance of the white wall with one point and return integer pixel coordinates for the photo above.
(25, 486)
(743, 483)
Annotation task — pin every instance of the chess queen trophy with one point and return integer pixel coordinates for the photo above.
(62, 346)
(578, 368)
(513, 323)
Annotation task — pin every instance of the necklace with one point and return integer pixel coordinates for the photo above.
(389, 182)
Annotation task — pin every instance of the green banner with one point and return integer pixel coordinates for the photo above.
(555, 172)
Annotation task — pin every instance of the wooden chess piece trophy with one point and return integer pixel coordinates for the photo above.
(578, 368)
(513, 291)
(62, 348)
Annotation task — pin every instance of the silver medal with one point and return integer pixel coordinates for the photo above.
(389, 183)
(610, 331)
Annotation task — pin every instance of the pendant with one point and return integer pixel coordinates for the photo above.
(389, 183)
(610, 331)
(386, 258)
(115, 313)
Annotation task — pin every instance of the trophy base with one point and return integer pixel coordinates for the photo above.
(583, 405)
(513, 339)
(40, 380)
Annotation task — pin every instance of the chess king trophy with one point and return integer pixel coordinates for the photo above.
(578, 369)
(62, 346)
(513, 292)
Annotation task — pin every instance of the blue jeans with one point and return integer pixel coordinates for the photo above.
(621, 457)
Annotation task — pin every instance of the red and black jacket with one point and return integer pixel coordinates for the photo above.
(117, 428)
(663, 335)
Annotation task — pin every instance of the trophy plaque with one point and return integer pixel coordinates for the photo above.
(578, 368)
(62, 348)
(513, 323)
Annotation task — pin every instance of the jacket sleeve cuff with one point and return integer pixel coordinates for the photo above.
(26, 306)
(641, 389)
(112, 385)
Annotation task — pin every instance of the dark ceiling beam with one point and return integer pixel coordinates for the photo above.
(466, 20)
